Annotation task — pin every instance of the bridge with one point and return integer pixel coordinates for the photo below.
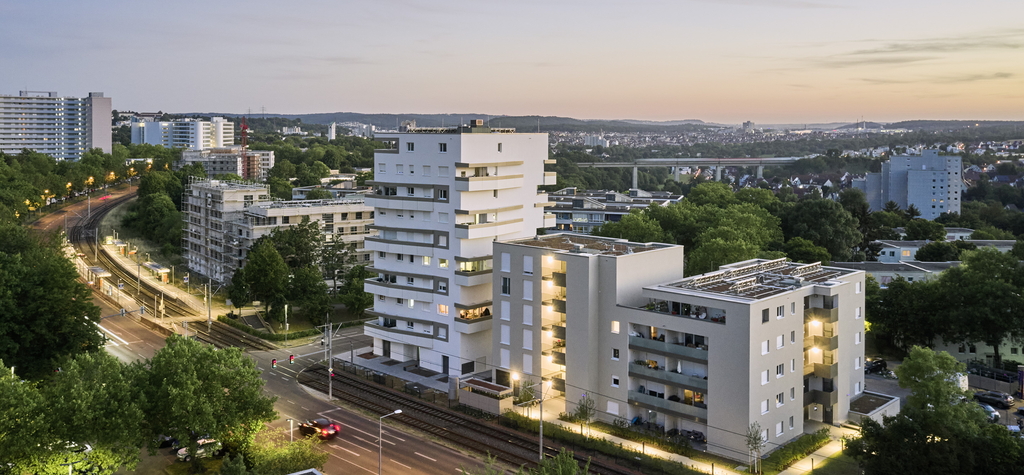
(718, 163)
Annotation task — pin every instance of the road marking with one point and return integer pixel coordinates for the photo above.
(424, 456)
(284, 378)
(356, 445)
(304, 407)
(343, 448)
(113, 335)
(393, 436)
(347, 461)
(290, 401)
(460, 470)
(402, 464)
(372, 436)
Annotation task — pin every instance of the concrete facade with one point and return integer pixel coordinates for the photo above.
(222, 160)
(930, 182)
(442, 196)
(771, 342)
(192, 134)
(59, 126)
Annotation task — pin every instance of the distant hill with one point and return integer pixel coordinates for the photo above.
(951, 124)
(864, 125)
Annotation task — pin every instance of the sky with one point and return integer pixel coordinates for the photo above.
(723, 61)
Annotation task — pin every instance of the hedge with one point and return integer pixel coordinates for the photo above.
(282, 336)
(788, 454)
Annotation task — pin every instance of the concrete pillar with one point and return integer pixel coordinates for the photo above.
(634, 177)
(718, 172)
(677, 173)
(760, 171)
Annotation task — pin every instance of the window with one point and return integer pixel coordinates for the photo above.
(442, 217)
(780, 341)
(410, 281)
(780, 399)
(615, 381)
(778, 429)
(381, 298)
(400, 169)
(527, 290)
(780, 370)
(1013, 351)
(764, 377)
(506, 311)
(528, 265)
(527, 314)
(764, 347)
(857, 313)
(382, 169)
(442, 309)
(410, 325)
(792, 308)
(410, 191)
(399, 257)
(410, 147)
(426, 260)
(792, 336)
(359, 215)
(442, 171)
(856, 338)
(412, 303)
(426, 170)
(506, 331)
(615, 326)
(506, 262)
(792, 365)
(506, 286)
(790, 422)
(856, 388)
(858, 287)
(527, 339)
(442, 332)
(780, 311)
(792, 396)
(442, 263)
(442, 194)
(442, 286)
(284, 219)
(856, 363)
(764, 316)
(499, 147)
(528, 363)
(412, 170)
(442, 147)
(615, 354)
(764, 407)
(381, 254)
(504, 358)
(906, 253)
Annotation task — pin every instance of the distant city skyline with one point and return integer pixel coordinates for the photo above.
(722, 61)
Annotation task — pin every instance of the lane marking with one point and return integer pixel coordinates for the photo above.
(356, 445)
(348, 461)
(400, 463)
(343, 448)
(284, 378)
(424, 456)
(290, 401)
(113, 335)
(372, 436)
(394, 436)
(304, 407)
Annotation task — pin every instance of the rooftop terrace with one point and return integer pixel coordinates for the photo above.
(762, 279)
(584, 244)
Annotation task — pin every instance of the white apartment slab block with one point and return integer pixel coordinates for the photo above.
(192, 134)
(59, 126)
(442, 197)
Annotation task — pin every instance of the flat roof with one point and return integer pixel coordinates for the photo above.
(586, 244)
(758, 278)
(869, 402)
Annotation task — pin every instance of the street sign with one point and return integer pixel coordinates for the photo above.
(120, 286)
(186, 278)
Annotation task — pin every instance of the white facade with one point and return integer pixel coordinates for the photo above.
(62, 127)
(442, 196)
(771, 342)
(218, 161)
(192, 134)
(930, 182)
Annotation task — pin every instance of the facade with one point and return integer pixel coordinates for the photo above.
(765, 341)
(442, 196)
(59, 126)
(223, 218)
(192, 134)
(582, 211)
(219, 161)
(898, 251)
(911, 271)
(930, 182)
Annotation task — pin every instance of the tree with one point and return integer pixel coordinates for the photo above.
(234, 465)
(47, 313)
(636, 226)
(712, 193)
(937, 251)
(716, 252)
(351, 294)
(756, 443)
(801, 250)
(912, 212)
(586, 409)
(267, 276)
(922, 229)
(319, 194)
(300, 245)
(193, 390)
(24, 432)
(932, 377)
(309, 291)
(274, 455)
(825, 223)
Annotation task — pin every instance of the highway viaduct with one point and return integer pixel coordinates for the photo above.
(718, 163)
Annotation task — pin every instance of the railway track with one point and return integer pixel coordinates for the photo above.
(507, 445)
(222, 335)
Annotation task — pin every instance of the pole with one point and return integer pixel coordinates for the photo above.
(380, 437)
(97, 231)
(540, 450)
(286, 324)
(330, 363)
(291, 430)
(209, 309)
(138, 281)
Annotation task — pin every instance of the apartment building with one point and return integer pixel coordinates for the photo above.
(442, 196)
(223, 219)
(766, 341)
(582, 211)
(192, 134)
(221, 160)
(930, 182)
(60, 126)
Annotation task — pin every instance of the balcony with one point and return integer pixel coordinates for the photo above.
(824, 371)
(557, 279)
(557, 380)
(815, 396)
(643, 370)
(483, 230)
(487, 183)
(824, 315)
(678, 409)
(704, 314)
(557, 355)
(556, 304)
(472, 278)
(669, 349)
(824, 343)
(472, 325)
(557, 330)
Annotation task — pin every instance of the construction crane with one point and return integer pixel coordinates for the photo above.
(248, 167)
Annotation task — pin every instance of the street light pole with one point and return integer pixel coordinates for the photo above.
(380, 437)
(291, 430)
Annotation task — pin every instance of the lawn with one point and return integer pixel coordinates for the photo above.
(838, 464)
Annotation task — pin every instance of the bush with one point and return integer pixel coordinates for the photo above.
(796, 450)
(281, 336)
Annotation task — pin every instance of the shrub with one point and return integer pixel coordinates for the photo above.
(788, 454)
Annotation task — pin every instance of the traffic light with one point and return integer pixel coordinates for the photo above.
(321, 342)
(273, 362)
(291, 359)
(332, 371)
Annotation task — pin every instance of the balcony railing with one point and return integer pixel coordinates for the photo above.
(678, 409)
(824, 343)
(557, 331)
(643, 370)
(824, 315)
(669, 348)
(825, 371)
(557, 305)
(815, 396)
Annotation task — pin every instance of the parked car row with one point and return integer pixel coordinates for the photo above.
(995, 399)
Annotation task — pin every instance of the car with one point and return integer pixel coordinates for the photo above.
(875, 365)
(320, 427)
(994, 398)
(207, 448)
(990, 412)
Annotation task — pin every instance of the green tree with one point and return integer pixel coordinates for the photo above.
(23, 431)
(801, 250)
(280, 188)
(319, 194)
(351, 294)
(47, 313)
(712, 193)
(937, 251)
(267, 276)
(717, 252)
(309, 292)
(300, 245)
(932, 377)
(194, 389)
(826, 224)
(234, 465)
(275, 455)
(922, 229)
(636, 226)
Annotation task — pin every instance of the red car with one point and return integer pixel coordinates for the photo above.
(321, 428)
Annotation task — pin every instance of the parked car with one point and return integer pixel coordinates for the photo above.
(321, 428)
(995, 399)
(875, 365)
(990, 412)
(207, 448)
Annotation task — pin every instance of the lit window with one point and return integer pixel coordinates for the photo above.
(442, 309)
(442, 263)
(615, 326)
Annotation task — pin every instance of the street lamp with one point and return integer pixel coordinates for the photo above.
(291, 430)
(380, 437)
(515, 377)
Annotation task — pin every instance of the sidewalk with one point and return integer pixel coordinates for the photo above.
(804, 465)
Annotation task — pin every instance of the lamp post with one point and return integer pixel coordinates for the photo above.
(380, 437)
(515, 377)
(138, 278)
(543, 386)
(291, 430)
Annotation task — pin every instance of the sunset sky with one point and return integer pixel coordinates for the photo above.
(726, 61)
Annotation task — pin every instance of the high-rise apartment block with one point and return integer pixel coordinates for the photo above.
(192, 134)
(218, 161)
(930, 182)
(59, 126)
(766, 341)
(223, 219)
(442, 197)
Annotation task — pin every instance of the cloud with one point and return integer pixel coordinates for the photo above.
(845, 61)
(891, 53)
(959, 79)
